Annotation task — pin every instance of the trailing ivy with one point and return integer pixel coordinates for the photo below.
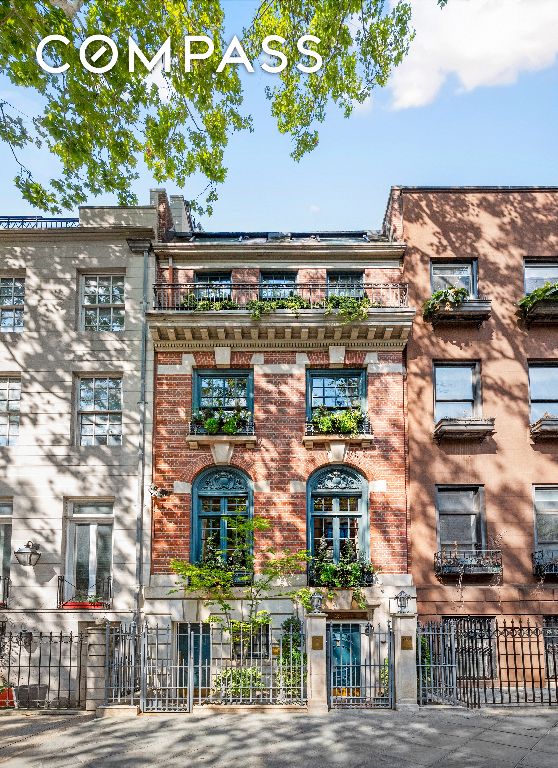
(348, 421)
(193, 303)
(547, 292)
(349, 309)
(259, 307)
(446, 299)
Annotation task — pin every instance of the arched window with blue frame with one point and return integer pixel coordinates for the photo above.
(221, 496)
(338, 512)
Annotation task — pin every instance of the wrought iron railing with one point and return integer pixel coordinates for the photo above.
(37, 222)
(365, 428)
(207, 297)
(545, 562)
(195, 428)
(43, 670)
(467, 562)
(5, 584)
(95, 596)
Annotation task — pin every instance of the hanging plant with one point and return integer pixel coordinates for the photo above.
(447, 299)
(349, 309)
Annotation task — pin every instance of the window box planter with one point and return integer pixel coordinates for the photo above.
(469, 312)
(463, 563)
(545, 564)
(542, 313)
(83, 605)
(7, 697)
(463, 429)
(545, 428)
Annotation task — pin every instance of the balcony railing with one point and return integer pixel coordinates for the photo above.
(96, 596)
(207, 297)
(545, 563)
(37, 222)
(243, 429)
(468, 562)
(364, 429)
(4, 591)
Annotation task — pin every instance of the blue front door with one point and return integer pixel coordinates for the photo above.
(201, 653)
(345, 649)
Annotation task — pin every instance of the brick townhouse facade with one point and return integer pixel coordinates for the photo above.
(211, 352)
(482, 401)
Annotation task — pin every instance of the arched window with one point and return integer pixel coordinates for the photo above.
(338, 511)
(219, 497)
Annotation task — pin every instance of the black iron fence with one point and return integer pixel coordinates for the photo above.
(90, 597)
(37, 222)
(42, 670)
(545, 563)
(482, 661)
(164, 669)
(206, 297)
(242, 428)
(364, 428)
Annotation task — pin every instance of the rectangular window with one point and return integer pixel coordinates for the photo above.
(223, 390)
(457, 274)
(546, 517)
(102, 305)
(335, 391)
(277, 285)
(218, 532)
(89, 552)
(6, 511)
(213, 286)
(345, 284)
(12, 302)
(543, 388)
(335, 522)
(537, 275)
(100, 411)
(460, 524)
(10, 396)
(457, 393)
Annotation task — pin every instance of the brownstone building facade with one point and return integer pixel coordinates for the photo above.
(214, 357)
(482, 384)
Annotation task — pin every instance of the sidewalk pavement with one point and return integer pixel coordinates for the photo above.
(441, 737)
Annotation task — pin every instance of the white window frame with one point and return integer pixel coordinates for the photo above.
(6, 520)
(538, 265)
(13, 307)
(81, 412)
(92, 521)
(12, 378)
(83, 306)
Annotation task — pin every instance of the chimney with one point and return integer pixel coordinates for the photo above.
(181, 214)
(159, 199)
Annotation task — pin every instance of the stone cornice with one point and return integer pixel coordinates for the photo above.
(19, 236)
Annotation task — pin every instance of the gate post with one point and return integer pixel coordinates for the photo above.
(405, 660)
(95, 670)
(317, 663)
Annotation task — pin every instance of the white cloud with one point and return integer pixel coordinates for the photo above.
(314, 209)
(480, 42)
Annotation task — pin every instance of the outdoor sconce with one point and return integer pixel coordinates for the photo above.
(28, 555)
(402, 600)
(158, 493)
(316, 600)
(368, 629)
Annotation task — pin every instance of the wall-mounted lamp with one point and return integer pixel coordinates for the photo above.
(158, 493)
(28, 555)
(316, 600)
(402, 600)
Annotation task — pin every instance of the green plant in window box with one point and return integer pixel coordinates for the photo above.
(547, 292)
(259, 307)
(447, 299)
(349, 309)
(215, 421)
(192, 303)
(347, 421)
(352, 571)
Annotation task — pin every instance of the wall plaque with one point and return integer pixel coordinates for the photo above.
(406, 642)
(317, 642)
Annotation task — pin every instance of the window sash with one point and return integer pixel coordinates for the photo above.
(537, 275)
(221, 394)
(10, 399)
(103, 303)
(540, 382)
(213, 285)
(449, 401)
(12, 304)
(5, 547)
(455, 274)
(277, 285)
(90, 558)
(546, 517)
(100, 411)
(337, 519)
(345, 284)
(323, 391)
(460, 507)
(214, 522)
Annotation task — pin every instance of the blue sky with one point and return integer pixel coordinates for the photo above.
(476, 102)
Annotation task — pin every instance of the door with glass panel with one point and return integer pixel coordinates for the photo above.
(89, 555)
(5, 551)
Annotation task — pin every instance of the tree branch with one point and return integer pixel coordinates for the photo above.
(69, 8)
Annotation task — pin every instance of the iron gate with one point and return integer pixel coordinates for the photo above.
(475, 662)
(42, 670)
(360, 665)
(171, 669)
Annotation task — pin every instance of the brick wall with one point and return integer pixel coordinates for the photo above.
(280, 457)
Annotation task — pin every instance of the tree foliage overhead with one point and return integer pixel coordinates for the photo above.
(100, 125)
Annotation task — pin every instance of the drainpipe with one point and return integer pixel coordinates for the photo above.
(143, 247)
